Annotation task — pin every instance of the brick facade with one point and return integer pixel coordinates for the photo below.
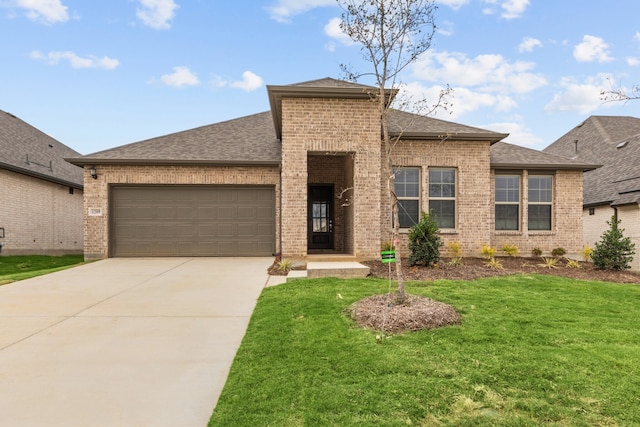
(97, 192)
(39, 217)
(313, 128)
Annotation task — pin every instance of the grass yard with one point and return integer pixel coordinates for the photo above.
(13, 268)
(532, 350)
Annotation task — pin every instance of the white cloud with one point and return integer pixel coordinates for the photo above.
(250, 82)
(581, 97)
(462, 100)
(453, 4)
(510, 8)
(76, 61)
(333, 30)
(283, 10)
(486, 73)
(447, 28)
(519, 134)
(528, 44)
(592, 49)
(636, 36)
(180, 77)
(157, 13)
(47, 11)
(633, 62)
(514, 8)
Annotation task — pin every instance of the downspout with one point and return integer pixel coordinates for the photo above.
(279, 251)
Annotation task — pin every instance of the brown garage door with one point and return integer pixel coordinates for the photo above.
(192, 221)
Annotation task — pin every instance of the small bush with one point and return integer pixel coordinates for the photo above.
(549, 263)
(487, 251)
(387, 246)
(454, 249)
(558, 252)
(285, 265)
(613, 251)
(424, 242)
(455, 262)
(511, 250)
(494, 264)
(586, 253)
(572, 263)
(536, 252)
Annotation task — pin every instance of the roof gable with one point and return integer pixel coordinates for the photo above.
(25, 149)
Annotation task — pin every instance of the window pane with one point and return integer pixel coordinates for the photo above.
(540, 189)
(507, 217)
(444, 211)
(407, 182)
(408, 213)
(442, 182)
(507, 189)
(539, 217)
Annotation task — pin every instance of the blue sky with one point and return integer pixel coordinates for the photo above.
(98, 74)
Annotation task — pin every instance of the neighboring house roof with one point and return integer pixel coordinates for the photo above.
(26, 150)
(614, 142)
(509, 156)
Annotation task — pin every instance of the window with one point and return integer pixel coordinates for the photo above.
(507, 208)
(442, 196)
(407, 188)
(540, 201)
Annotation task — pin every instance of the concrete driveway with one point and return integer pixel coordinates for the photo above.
(124, 342)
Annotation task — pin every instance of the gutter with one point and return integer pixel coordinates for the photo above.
(81, 161)
(42, 176)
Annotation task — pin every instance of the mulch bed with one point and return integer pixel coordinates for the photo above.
(475, 268)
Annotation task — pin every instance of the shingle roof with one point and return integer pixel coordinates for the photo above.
(509, 156)
(25, 149)
(409, 125)
(246, 140)
(613, 141)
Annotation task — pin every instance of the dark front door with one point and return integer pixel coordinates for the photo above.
(320, 212)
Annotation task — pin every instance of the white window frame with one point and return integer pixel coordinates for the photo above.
(404, 197)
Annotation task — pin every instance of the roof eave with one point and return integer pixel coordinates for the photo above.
(546, 166)
(42, 176)
(442, 136)
(81, 161)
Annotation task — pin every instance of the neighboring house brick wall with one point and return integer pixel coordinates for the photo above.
(97, 227)
(630, 222)
(39, 217)
(566, 222)
(473, 179)
(594, 225)
(331, 127)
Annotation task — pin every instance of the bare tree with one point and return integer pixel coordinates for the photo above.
(392, 34)
(620, 94)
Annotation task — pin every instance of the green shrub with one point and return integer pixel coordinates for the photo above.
(558, 252)
(424, 242)
(511, 250)
(613, 251)
(536, 251)
(487, 251)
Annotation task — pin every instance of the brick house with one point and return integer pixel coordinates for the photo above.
(306, 177)
(41, 208)
(613, 189)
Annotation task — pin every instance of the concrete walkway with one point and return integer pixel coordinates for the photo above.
(124, 342)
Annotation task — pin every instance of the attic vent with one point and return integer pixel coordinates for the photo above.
(622, 144)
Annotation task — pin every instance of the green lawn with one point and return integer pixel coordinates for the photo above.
(532, 350)
(14, 268)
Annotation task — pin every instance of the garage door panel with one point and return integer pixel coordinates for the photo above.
(193, 221)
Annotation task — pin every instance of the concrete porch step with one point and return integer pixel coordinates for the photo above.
(342, 269)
